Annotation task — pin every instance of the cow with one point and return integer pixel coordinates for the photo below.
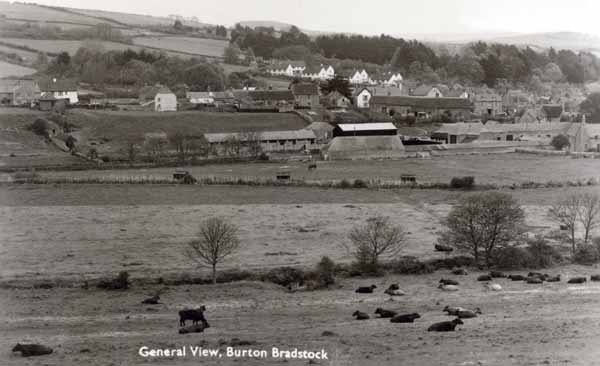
(195, 315)
(28, 350)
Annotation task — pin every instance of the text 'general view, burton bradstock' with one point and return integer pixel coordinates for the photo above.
(282, 182)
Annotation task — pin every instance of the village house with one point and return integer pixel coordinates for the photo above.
(426, 91)
(306, 95)
(18, 92)
(514, 100)
(457, 109)
(270, 141)
(210, 98)
(363, 96)
(165, 100)
(360, 77)
(487, 102)
(458, 133)
(287, 68)
(552, 112)
(583, 137)
(335, 99)
(60, 89)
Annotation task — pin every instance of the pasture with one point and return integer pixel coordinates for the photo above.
(8, 69)
(189, 45)
(33, 12)
(500, 169)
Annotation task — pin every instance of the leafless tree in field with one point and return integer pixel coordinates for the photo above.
(482, 223)
(589, 213)
(375, 239)
(217, 239)
(567, 213)
(251, 140)
(155, 147)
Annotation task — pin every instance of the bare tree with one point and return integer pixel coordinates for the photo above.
(482, 223)
(132, 150)
(217, 239)
(155, 147)
(589, 213)
(251, 140)
(567, 213)
(377, 238)
(232, 146)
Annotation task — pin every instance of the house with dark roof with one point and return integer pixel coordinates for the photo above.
(552, 112)
(421, 107)
(486, 102)
(18, 92)
(427, 91)
(265, 100)
(60, 89)
(335, 99)
(306, 95)
(458, 133)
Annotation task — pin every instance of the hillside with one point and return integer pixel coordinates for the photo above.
(559, 40)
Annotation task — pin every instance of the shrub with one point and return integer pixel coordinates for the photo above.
(40, 127)
(559, 142)
(462, 182)
(344, 183)
(325, 272)
(284, 276)
(587, 254)
(119, 283)
(542, 255)
(359, 183)
(512, 258)
(409, 265)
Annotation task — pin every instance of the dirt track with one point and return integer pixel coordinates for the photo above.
(555, 324)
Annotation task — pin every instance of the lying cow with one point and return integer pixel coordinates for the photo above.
(28, 350)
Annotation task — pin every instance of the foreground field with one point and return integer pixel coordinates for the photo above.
(555, 324)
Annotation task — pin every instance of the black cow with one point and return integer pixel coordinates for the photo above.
(405, 318)
(445, 326)
(385, 313)
(28, 350)
(195, 315)
(366, 290)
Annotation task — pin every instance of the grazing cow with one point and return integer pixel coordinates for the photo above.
(448, 287)
(493, 286)
(152, 300)
(534, 280)
(497, 274)
(595, 278)
(517, 277)
(445, 326)
(577, 280)
(385, 313)
(366, 290)
(447, 281)
(553, 279)
(312, 166)
(360, 315)
(195, 315)
(484, 278)
(467, 314)
(405, 318)
(443, 248)
(28, 350)
(459, 271)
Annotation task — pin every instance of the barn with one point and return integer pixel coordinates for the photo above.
(365, 129)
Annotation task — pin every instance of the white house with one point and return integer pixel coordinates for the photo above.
(360, 77)
(393, 80)
(326, 73)
(165, 100)
(60, 89)
(362, 98)
(291, 69)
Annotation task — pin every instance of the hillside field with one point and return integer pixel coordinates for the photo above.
(33, 12)
(8, 69)
(190, 45)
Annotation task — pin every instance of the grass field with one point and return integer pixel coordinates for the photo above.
(132, 19)
(198, 46)
(7, 69)
(27, 55)
(39, 13)
(500, 169)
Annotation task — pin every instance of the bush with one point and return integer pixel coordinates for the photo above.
(410, 265)
(119, 283)
(40, 127)
(542, 255)
(587, 254)
(284, 276)
(344, 183)
(359, 183)
(559, 142)
(325, 272)
(512, 258)
(462, 182)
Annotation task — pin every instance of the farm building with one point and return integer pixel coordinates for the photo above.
(18, 92)
(306, 95)
(265, 100)
(165, 100)
(60, 89)
(365, 129)
(457, 133)
(364, 147)
(210, 98)
(323, 131)
(270, 141)
(421, 107)
(486, 102)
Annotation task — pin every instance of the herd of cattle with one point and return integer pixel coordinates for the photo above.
(460, 313)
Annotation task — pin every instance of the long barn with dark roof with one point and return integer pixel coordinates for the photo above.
(419, 107)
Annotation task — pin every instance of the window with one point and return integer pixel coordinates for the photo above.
(365, 98)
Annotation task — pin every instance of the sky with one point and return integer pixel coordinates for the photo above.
(394, 17)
